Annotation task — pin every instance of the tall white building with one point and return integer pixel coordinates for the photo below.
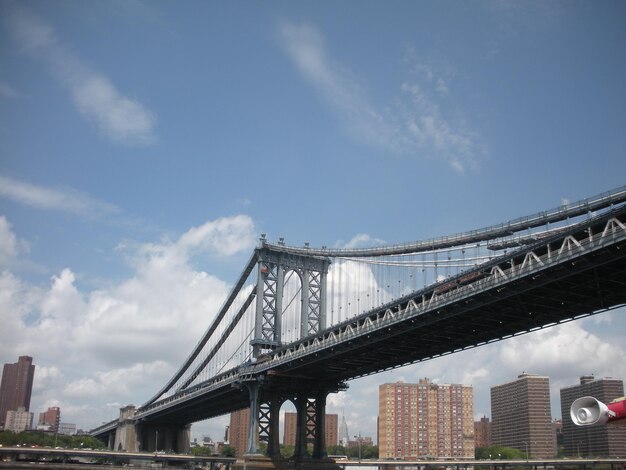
(344, 436)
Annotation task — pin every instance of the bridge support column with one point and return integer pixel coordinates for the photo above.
(253, 389)
(300, 450)
(270, 425)
(319, 444)
(164, 437)
(126, 437)
(265, 406)
(311, 426)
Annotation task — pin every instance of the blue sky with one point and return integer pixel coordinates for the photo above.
(144, 147)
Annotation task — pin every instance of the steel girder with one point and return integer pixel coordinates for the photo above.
(272, 269)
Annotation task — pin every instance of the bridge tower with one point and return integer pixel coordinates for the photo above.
(268, 392)
(272, 269)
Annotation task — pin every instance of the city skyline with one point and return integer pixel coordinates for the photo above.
(242, 416)
(146, 146)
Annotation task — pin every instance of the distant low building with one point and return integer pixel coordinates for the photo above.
(208, 443)
(18, 420)
(238, 430)
(557, 424)
(51, 418)
(482, 432)
(330, 429)
(365, 441)
(68, 429)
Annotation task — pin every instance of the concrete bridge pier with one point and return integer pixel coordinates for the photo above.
(133, 436)
(111, 441)
(164, 437)
(126, 432)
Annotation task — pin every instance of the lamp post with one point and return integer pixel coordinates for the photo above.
(527, 455)
(358, 438)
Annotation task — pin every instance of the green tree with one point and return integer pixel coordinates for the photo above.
(499, 453)
(286, 451)
(367, 452)
(8, 438)
(229, 451)
(201, 451)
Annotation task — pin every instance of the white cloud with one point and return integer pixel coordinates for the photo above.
(60, 199)
(305, 46)
(415, 125)
(18, 302)
(120, 118)
(10, 245)
(118, 382)
(226, 236)
(123, 341)
(427, 128)
(361, 240)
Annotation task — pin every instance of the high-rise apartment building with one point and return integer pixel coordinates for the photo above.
(587, 441)
(425, 420)
(51, 418)
(521, 416)
(482, 432)
(238, 430)
(16, 386)
(330, 429)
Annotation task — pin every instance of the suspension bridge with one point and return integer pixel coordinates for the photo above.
(300, 322)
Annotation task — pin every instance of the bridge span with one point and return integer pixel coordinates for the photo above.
(301, 322)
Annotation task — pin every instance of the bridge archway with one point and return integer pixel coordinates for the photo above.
(291, 315)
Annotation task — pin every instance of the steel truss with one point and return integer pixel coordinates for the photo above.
(272, 269)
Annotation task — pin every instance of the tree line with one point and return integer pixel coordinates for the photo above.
(48, 439)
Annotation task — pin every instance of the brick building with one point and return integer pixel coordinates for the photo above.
(425, 420)
(521, 416)
(589, 441)
(16, 386)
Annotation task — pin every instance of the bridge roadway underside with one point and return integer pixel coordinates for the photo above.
(593, 283)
